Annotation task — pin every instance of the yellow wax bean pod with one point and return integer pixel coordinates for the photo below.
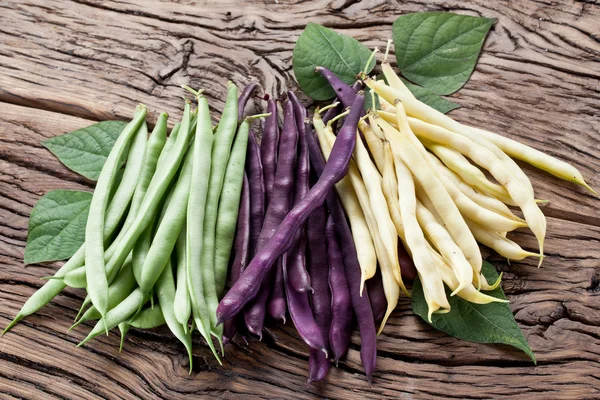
(442, 240)
(502, 245)
(536, 158)
(487, 159)
(470, 209)
(425, 113)
(472, 175)
(416, 159)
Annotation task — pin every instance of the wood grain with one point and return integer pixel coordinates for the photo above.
(65, 64)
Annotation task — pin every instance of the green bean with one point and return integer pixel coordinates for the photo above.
(165, 289)
(118, 314)
(229, 203)
(97, 282)
(182, 303)
(221, 149)
(122, 286)
(169, 227)
(156, 190)
(168, 145)
(195, 220)
(149, 318)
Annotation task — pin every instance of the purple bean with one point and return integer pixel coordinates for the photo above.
(318, 366)
(249, 283)
(254, 169)
(268, 148)
(360, 304)
(299, 278)
(241, 247)
(407, 266)
(341, 303)
(278, 208)
(243, 99)
(332, 112)
(277, 304)
(321, 298)
(343, 91)
(377, 296)
(302, 315)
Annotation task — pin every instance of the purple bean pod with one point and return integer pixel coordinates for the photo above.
(321, 298)
(360, 304)
(301, 314)
(254, 169)
(249, 283)
(341, 303)
(377, 296)
(343, 91)
(278, 208)
(407, 266)
(243, 99)
(268, 148)
(332, 112)
(277, 304)
(299, 278)
(241, 248)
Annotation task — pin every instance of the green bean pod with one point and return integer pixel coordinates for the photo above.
(221, 149)
(182, 306)
(195, 220)
(118, 314)
(229, 204)
(149, 318)
(169, 227)
(165, 289)
(118, 291)
(97, 281)
(156, 190)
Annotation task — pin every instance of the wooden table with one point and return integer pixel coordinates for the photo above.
(66, 64)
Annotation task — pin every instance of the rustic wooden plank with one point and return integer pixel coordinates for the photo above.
(537, 81)
(556, 306)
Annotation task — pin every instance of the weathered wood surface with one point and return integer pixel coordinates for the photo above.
(64, 64)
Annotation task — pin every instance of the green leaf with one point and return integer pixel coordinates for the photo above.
(57, 226)
(480, 323)
(428, 97)
(439, 50)
(85, 150)
(318, 46)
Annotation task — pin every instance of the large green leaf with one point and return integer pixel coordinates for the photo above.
(57, 226)
(318, 46)
(439, 50)
(85, 150)
(480, 323)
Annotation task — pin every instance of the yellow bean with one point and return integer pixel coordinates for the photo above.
(486, 159)
(491, 203)
(372, 180)
(374, 144)
(469, 209)
(442, 240)
(457, 163)
(536, 158)
(416, 160)
(430, 278)
(423, 112)
(469, 293)
(503, 246)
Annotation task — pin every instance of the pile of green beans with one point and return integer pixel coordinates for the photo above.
(157, 243)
